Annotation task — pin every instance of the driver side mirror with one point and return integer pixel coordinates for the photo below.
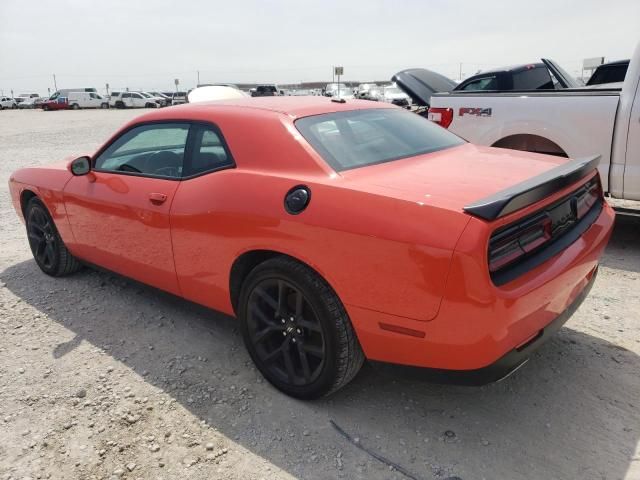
(80, 166)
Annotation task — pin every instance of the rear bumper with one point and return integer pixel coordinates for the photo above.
(502, 367)
(484, 330)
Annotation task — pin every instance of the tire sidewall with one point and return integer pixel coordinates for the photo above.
(326, 379)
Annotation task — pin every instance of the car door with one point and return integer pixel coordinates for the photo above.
(137, 100)
(126, 100)
(119, 212)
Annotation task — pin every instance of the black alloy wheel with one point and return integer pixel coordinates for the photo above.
(285, 332)
(296, 329)
(48, 249)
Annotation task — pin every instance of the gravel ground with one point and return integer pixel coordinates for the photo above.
(101, 377)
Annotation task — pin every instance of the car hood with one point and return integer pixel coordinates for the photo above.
(451, 178)
(420, 84)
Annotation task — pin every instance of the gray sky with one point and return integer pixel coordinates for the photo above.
(146, 44)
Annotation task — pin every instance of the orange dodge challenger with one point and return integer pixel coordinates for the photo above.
(335, 231)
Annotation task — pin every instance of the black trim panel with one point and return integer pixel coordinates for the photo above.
(507, 274)
(532, 190)
(498, 370)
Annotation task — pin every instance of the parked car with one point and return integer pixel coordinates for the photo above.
(7, 102)
(332, 90)
(362, 91)
(78, 100)
(568, 123)
(166, 99)
(113, 98)
(25, 96)
(55, 102)
(340, 233)
(265, 91)
(31, 103)
(133, 100)
(374, 94)
(178, 98)
(392, 94)
(609, 74)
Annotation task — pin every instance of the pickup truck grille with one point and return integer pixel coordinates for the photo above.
(525, 244)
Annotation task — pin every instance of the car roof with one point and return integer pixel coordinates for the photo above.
(292, 106)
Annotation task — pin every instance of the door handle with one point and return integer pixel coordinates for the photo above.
(157, 198)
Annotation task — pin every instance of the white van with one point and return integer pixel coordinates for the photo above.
(86, 100)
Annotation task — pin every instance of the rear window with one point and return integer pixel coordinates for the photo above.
(359, 138)
(485, 83)
(608, 74)
(537, 78)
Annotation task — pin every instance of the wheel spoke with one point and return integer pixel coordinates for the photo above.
(314, 327)
(288, 363)
(36, 226)
(304, 361)
(267, 298)
(262, 316)
(312, 350)
(273, 356)
(35, 237)
(49, 253)
(265, 332)
(282, 299)
(299, 303)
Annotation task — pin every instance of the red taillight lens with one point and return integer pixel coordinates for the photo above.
(509, 245)
(441, 116)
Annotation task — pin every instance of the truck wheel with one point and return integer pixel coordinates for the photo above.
(104, 105)
(120, 104)
(45, 108)
(296, 329)
(14, 106)
(75, 106)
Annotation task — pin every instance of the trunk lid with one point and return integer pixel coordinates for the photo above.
(452, 178)
(420, 84)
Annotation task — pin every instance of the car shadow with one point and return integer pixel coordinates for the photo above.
(572, 412)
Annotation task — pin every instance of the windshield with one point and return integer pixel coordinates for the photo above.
(144, 94)
(359, 138)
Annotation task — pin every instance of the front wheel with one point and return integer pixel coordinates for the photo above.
(75, 106)
(104, 105)
(296, 330)
(49, 251)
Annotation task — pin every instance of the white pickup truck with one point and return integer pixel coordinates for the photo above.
(577, 122)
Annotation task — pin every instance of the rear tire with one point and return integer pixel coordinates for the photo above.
(296, 330)
(49, 251)
(75, 106)
(120, 104)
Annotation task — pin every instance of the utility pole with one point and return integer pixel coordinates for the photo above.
(460, 74)
(198, 77)
(333, 77)
(55, 85)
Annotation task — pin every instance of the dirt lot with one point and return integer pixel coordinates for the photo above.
(101, 377)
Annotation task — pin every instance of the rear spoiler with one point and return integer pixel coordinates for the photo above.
(532, 190)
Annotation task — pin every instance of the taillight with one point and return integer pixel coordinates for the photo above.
(507, 246)
(441, 116)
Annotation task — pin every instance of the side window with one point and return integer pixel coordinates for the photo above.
(156, 150)
(126, 95)
(533, 79)
(209, 152)
(486, 83)
(136, 95)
